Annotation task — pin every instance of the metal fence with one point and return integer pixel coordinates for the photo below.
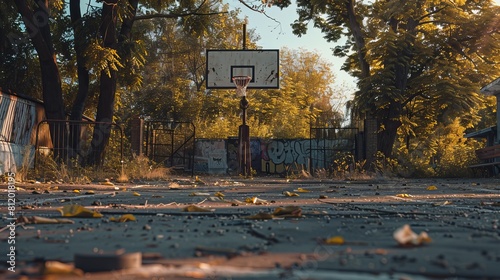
(332, 144)
(171, 143)
(75, 142)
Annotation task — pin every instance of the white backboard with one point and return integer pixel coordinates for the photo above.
(261, 65)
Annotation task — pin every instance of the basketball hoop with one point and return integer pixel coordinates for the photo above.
(241, 83)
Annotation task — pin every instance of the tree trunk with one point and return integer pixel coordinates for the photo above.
(391, 122)
(83, 79)
(41, 38)
(359, 39)
(105, 106)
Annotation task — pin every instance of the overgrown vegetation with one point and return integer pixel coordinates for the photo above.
(136, 169)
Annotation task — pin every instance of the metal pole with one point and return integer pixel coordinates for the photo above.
(244, 36)
(244, 156)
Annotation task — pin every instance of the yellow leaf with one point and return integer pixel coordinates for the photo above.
(432, 188)
(251, 199)
(194, 208)
(286, 193)
(335, 240)
(90, 192)
(255, 200)
(123, 218)
(107, 183)
(219, 195)
(136, 194)
(59, 268)
(301, 190)
(76, 191)
(403, 195)
(76, 210)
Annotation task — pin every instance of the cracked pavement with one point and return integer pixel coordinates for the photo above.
(461, 216)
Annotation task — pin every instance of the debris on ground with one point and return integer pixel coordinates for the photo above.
(405, 236)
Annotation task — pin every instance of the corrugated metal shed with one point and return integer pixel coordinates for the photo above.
(492, 88)
(18, 118)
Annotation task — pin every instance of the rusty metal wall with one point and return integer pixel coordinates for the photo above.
(18, 118)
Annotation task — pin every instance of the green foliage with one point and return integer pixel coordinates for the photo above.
(100, 58)
(419, 63)
(444, 153)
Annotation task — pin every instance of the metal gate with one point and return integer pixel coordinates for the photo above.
(330, 144)
(171, 143)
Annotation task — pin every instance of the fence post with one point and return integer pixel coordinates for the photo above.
(371, 127)
(136, 135)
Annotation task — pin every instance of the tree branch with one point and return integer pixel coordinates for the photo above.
(175, 15)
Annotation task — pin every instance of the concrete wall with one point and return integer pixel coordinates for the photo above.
(210, 156)
(269, 156)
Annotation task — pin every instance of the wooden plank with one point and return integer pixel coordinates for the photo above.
(488, 152)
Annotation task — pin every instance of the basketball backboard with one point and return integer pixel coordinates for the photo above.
(261, 65)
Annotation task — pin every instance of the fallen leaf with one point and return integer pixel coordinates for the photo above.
(174, 186)
(405, 236)
(199, 194)
(443, 203)
(76, 210)
(404, 195)
(490, 203)
(287, 193)
(136, 194)
(59, 268)
(76, 191)
(219, 195)
(432, 188)
(289, 211)
(194, 208)
(199, 181)
(123, 218)
(301, 190)
(90, 192)
(335, 240)
(107, 183)
(255, 200)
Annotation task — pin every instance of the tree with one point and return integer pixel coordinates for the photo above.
(37, 22)
(415, 60)
(110, 49)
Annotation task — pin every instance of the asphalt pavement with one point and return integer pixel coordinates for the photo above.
(260, 228)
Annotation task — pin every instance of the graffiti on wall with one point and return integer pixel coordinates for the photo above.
(279, 155)
(269, 156)
(211, 156)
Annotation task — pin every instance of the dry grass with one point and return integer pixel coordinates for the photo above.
(24, 169)
(140, 167)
